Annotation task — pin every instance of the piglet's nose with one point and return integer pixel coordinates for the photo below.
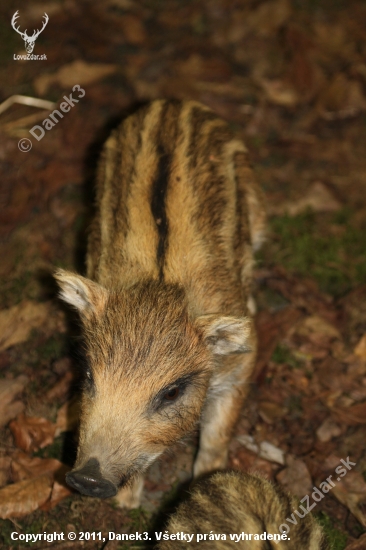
(89, 481)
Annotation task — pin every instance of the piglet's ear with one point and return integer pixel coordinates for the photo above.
(83, 294)
(226, 335)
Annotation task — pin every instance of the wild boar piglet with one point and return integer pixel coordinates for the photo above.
(239, 511)
(166, 308)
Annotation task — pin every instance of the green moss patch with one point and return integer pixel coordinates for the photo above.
(283, 355)
(326, 247)
(337, 539)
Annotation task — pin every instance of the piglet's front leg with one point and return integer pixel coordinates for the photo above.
(220, 415)
(130, 495)
(219, 418)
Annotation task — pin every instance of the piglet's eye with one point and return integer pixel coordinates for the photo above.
(172, 394)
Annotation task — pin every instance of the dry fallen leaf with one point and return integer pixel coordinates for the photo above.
(353, 415)
(272, 327)
(17, 322)
(77, 72)
(280, 92)
(26, 467)
(269, 16)
(9, 408)
(329, 464)
(360, 349)
(59, 492)
(317, 330)
(296, 477)
(133, 29)
(201, 68)
(61, 389)
(34, 11)
(331, 37)
(303, 72)
(5, 462)
(270, 412)
(61, 366)
(318, 198)
(327, 430)
(341, 98)
(248, 461)
(68, 416)
(359, 544)
(264, 449)
(351, 491)
(32, 433)
(20, 499)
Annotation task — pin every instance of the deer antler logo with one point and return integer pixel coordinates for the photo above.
(28, 40)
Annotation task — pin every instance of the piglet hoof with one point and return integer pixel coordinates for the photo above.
(130, 496)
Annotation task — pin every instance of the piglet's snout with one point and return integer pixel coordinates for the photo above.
(89, 481)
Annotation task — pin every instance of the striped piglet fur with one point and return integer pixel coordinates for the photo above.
(234, 503)
(166, 307)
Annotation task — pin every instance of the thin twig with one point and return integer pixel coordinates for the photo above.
(26, 100)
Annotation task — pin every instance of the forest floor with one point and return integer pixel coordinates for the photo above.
(290, 78)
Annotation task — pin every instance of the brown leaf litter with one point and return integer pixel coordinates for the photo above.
(17, 322)
(32, 433)
(10, 407)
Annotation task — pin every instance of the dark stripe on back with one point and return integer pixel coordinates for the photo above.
(158, 209)
(169, 127)
(128, 144)
(198, 119)
(166, 139)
